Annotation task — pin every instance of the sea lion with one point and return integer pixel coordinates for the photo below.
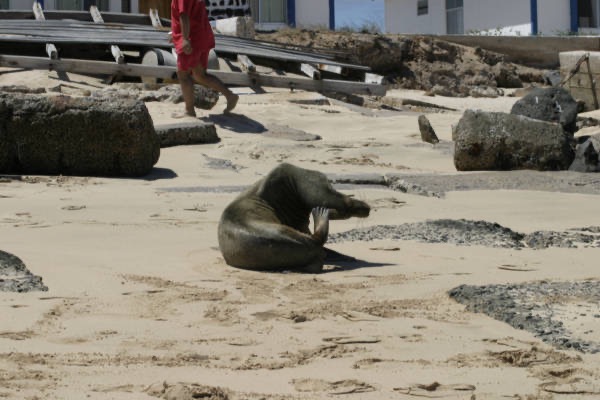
(266, 227)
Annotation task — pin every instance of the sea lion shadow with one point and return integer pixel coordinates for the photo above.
(342, 262)
(238, 123)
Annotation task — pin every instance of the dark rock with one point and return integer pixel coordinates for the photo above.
(549, 104)
(486, 91)
(586, 158)
(204, 98)
(197, 132)
(76, 136)
(427, 133)
(15, 277)
(507, 76)
(552, 78)
(499, 141)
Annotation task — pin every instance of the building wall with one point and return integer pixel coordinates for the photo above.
(21, 4)
(312, 13)
(493, 17)
(554, 17)
(498, 17)
(401, 17)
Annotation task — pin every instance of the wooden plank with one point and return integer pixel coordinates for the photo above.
(87, 66)
(38, 12)
(155, 18)
(87, 31)
(247, 65)
(166, 72)
(51, 51)
(96, 16)
(310, 71)
(39, 16)
(374, 78)
(114, 49)
(109, 17)
(117, 54)
(81, 32)
(334, 69)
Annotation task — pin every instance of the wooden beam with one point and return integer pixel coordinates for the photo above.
(334, 69)
(109, 17)
(155, 18)
(63, 33)
(114, 49)
(96, 16)
(310, 71)
(87, 66)
(167, 72)
(117, 54)
(51, 49)
(38, 12)
(374, 78)
(247, 65)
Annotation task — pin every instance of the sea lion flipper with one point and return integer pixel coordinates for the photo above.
(321, 220)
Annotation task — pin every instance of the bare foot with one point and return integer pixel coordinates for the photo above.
(321, 220)
(184, 115)
(232, 100)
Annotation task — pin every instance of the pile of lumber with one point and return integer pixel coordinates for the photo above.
(114, 44)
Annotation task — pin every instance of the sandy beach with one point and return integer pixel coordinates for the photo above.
(141, 305)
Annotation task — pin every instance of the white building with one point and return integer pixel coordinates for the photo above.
(493, 17)
(297, 13)
(268, 14)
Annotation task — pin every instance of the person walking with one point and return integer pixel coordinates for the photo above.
(193, 38)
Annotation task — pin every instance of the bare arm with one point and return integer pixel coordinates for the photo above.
(184, 20)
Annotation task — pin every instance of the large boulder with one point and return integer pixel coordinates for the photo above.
(499, 141)
(553, 104)
(76, 136)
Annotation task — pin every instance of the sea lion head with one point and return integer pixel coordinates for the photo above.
(353, 208)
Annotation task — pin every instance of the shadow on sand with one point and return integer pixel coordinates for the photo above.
(342, 262)
(236, 122)
(159, 174)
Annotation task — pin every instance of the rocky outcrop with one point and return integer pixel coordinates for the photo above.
(499, 141)
(549, 104)
(76, 136)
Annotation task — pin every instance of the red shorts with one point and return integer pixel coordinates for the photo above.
(186, 62)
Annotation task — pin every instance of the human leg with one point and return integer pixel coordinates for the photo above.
(202, 77)
(187, 90)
